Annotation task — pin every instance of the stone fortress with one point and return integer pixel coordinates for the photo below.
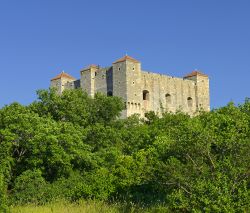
(140, 90)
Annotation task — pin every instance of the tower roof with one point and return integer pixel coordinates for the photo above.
(195, 73)
(63, 75)
(126, 58)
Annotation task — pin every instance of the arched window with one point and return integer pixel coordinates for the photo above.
(145, 95)
(190, 102)
(109, 93)
(168, 98)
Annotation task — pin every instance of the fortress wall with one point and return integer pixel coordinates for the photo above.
(119, 84)
(161, 85)
(109, 79)
(68, 84)
(203, 93)
(101, 81)
(134, 89)
(119, 80)
(56, 84)
(62, 84)
(189, 91)
(77, 84)
(142, 91)
(87, 83)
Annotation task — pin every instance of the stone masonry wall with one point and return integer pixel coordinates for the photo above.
(134, 88)
(101, 81)
(167, 93)
(143, 91)
(119, 84)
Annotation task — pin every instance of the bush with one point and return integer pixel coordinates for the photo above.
(95, 185)
(29, 187)
(2, 194)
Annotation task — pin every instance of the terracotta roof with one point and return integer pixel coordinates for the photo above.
(195, 73)
(125, 58)
(63, 75)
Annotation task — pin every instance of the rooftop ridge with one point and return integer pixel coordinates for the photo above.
(125, 58)
(195, 73)
(63, 75)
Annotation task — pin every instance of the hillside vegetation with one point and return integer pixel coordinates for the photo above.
(72, 148)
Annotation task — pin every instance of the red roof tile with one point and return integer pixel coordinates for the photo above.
(63, 75)
(125, 58)
(195, 73)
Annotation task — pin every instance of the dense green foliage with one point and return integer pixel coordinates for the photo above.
(72, 147)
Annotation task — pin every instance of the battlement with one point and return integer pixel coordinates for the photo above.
(140, 90)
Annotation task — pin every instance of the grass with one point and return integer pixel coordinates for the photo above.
(84, 207)
(66, 207)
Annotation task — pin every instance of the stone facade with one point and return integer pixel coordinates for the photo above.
(140, 90)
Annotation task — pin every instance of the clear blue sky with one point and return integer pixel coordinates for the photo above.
(40, 38)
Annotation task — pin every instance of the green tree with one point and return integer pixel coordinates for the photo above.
(77, 107)
(3, 194)
(29, 188)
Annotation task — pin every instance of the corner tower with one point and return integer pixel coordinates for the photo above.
(88, 79)
(201, 90)
(62, 81)
(127, 84)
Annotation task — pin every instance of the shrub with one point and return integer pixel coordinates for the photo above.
(29, 188)
(2, 194)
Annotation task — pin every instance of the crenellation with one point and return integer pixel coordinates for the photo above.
(141, 91)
